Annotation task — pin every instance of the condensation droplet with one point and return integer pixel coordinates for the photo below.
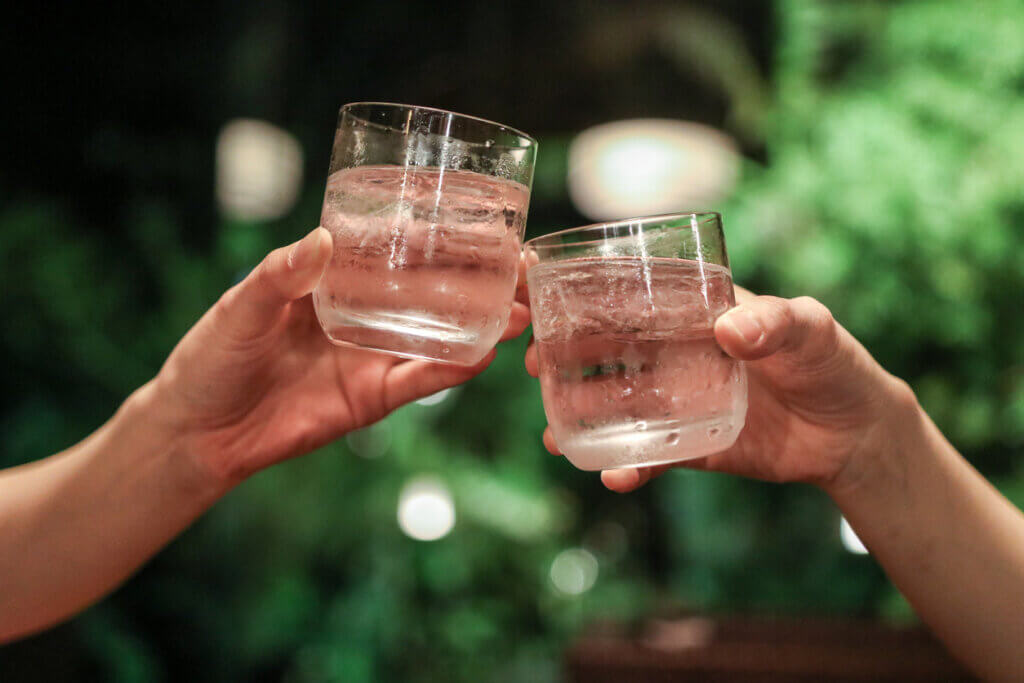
(641, 426)
(714, 431)
(672, 439)
(445, 349)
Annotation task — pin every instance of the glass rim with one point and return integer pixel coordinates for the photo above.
(530, 141)
(539, 241)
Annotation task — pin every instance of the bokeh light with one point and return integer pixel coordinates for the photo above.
(371, 442)
(641, 167)
(426, 511)
(574, 571)
(850, 539)
(259, 170)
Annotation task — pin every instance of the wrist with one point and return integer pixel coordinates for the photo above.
(145, 420)
(882, 455)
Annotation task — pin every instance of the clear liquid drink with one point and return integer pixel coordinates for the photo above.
(630, 370)
(427, 210)
(424, 260)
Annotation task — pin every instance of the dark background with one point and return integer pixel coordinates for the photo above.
(883, 148)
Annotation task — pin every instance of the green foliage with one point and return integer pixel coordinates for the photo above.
(892, 192)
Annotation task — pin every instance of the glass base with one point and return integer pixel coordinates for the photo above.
(627, 445)
(405, 336)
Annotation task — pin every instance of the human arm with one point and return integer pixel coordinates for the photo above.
(253, 383)
(950, 542)
(823, 412)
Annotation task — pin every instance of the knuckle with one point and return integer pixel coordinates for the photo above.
(821, 333)
(811, 305)
(903, 393)
(265, 277)
(773, 303)
(785, 313)
(817, 314)
(261, 275)
(775, 311)
(221, 310)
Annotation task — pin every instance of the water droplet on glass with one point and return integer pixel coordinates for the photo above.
(445, 349)
(714, 431)
(641, 426)
(672, 439)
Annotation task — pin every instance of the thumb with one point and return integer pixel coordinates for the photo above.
(285, 274)
(800, 330)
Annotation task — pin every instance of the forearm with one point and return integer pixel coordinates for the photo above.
(948, 540)
(75, 525)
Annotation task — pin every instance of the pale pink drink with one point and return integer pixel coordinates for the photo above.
(427, 240)
(630, 371)
(424, 260)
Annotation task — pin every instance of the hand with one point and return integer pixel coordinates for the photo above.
(255, 381)
(819, 404)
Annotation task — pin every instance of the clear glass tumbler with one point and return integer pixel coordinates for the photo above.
(427, 209)
(623, 317)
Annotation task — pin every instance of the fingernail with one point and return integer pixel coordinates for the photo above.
(745, 324)
(303, 252)
(621, 480)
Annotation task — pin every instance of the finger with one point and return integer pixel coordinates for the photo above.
(518, 321)
(800, 328)
(253, 306)
(522, 293)
(531, 359)
(549, 442)
(412, 380)
(630, 479)
(743, 294)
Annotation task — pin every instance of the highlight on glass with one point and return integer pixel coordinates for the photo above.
(623, 317)
(427, 209)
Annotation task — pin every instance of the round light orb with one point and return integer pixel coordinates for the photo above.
(426, 511)
(641, 167)
(259, 170)
(370, 442)
(574, 571)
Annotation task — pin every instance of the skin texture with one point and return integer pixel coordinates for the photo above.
(806, 395)
(823, 412)
(253, 383)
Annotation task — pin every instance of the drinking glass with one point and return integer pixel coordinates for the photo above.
(427, 210)
(623, 317)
